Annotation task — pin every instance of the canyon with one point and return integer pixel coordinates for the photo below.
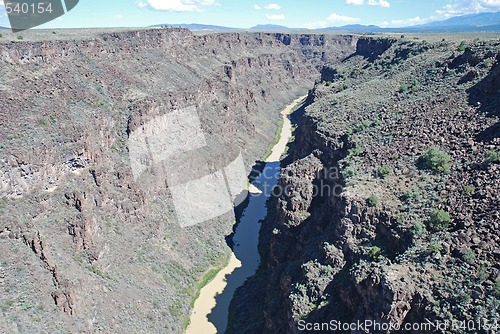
(392, 210)
(84, 246)
(87, 247)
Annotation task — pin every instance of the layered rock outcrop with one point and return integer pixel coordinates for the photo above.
(85, 247)
(368, 231)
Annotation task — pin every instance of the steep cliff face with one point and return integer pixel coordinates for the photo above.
(321, 48)
(85, 247)
(363, 225)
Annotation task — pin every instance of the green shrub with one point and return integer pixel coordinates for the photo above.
(348, 132)
(436, 160)
(375, 253)
(410, 196)
(355, 150)
(418, 230)
(383, 171)
(372, 201)
(7, 304)
(377, 122)
(328, 83)
(414, 86)
(451, 71)
(439, 220)
(496, 289)
(493, 156)
(403, 88)
(365, 124)
(461, 47)
(303, 215)
(482, 274)
(469, 190)
(1, 35)
(20, 37)
(469, 256)
(463, 297)
(435, 247)
(350, 171)
(402, 217)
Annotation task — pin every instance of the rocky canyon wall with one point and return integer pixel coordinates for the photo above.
(353, 233)
(84, 247)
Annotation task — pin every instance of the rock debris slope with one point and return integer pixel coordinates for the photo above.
(392, 209)
(83, 247)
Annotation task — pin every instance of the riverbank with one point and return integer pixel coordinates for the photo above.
(207, 300)
(285, 126)
(285, 132)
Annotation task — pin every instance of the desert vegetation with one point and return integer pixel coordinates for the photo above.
(415, 138)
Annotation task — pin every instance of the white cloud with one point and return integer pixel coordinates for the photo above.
(272, 6)
(355, 2)
(335, 18)
(453, 8)
(407, 22)
(176, 5)
(375, 3)
(118, 16)
(465, 7)
(316, 25)
(275, 17)
(141, 4)
(379, 3)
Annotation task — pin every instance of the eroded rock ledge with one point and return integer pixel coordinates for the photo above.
(376, 250)
(84, 247)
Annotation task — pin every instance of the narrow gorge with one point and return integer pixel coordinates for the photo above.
(97, 249)
(367, 234)
(388, 209)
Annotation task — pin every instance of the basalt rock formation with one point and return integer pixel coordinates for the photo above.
(388, 207)
(83, 246)
(372, 226)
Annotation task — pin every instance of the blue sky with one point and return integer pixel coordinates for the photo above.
(247, 13)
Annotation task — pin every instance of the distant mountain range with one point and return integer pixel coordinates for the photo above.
(468, 23)
(474, 20)
(196, 27)
(356, 28)
(267, 27)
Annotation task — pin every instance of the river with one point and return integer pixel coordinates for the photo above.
(210, 311)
